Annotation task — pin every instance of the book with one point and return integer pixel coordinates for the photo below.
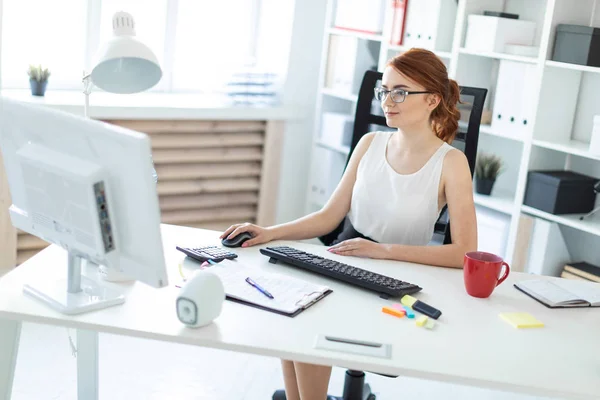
(290, 295)
(399, 21)
(521, 320)
(568, 275)
(585, 270)
(562, 293)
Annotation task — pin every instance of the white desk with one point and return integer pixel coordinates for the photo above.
(470, 344)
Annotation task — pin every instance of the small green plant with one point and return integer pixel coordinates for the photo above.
(37, 73)
(488, 166)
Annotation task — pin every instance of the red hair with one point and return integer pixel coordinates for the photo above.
(426, 69)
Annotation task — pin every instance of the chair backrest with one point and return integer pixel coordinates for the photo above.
(369, 117)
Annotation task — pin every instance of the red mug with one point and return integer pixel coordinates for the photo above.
(482, 273)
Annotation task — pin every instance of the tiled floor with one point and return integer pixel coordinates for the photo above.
(144, 369)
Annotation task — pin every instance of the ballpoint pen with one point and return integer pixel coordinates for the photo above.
(260, 289)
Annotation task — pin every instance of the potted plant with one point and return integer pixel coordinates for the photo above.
(487, 169)
(38, 79)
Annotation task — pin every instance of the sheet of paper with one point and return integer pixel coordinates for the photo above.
(589, 291)
(289, 294)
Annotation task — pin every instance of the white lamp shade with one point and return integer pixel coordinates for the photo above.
(124, 64)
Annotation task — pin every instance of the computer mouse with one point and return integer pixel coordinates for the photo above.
(236, 241)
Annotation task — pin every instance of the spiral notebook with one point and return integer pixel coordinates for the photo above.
(291, 296)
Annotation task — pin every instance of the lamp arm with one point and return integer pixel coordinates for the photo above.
(87, 89)
(87, 83)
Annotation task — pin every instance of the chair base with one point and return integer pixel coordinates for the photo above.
(355, 388)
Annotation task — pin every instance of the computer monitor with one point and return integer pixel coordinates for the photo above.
(88, 187)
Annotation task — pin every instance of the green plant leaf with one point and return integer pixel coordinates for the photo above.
(488, 166)
(38, 73)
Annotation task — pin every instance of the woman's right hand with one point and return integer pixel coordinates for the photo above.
(259, 234)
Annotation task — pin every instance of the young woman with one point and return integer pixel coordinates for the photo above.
(393, 189)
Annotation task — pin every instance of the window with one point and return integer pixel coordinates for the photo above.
(199, 43)
(274, 34)
(33, 32)
(213, 39)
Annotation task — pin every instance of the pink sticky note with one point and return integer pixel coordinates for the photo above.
(398, 306)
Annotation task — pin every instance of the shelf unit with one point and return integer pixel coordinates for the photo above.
(358, 35)
(498, 56)
(588, 225)
(558, 132)
(572, 147)
(575, 67)
(401, 49)
(498, 201)
(486, 129)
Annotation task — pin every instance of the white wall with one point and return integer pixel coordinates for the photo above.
(300, 92)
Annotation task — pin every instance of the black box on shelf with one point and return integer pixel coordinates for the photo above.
(501, 14)
(560, 192)
(577, 44)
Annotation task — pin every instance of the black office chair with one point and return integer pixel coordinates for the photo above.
(369, 117)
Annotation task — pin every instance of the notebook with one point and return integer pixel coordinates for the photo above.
(291, 296)
(562, 293)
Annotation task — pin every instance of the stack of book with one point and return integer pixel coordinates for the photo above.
(253, 87)
(581, 271)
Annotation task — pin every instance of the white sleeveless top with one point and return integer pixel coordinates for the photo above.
(394, 208)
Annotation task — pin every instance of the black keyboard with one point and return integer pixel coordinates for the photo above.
(202, 254)
(381, 284)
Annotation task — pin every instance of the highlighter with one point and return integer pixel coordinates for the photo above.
(421, 307)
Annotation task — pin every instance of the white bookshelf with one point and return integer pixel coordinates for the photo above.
(498, 201)
(589, 225)
(499, 56)
(486, 129)
(400, 49)
(575, 67)
(358, 35)
(573, 147)
(558, 132)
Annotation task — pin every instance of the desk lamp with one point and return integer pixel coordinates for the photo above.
(122, 65)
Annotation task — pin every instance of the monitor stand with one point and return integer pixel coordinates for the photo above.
(76, 294)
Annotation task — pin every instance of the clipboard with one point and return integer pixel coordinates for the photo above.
(291, 295)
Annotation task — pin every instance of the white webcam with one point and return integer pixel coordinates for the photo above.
(201, 299)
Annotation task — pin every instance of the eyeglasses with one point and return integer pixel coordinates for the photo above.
(398, 95)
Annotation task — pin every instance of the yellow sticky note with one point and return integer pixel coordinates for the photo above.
(421, 320)
(521, 320)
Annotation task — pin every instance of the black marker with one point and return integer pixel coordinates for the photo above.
(421, 307)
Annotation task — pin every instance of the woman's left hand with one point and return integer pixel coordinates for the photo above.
(360, 248)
